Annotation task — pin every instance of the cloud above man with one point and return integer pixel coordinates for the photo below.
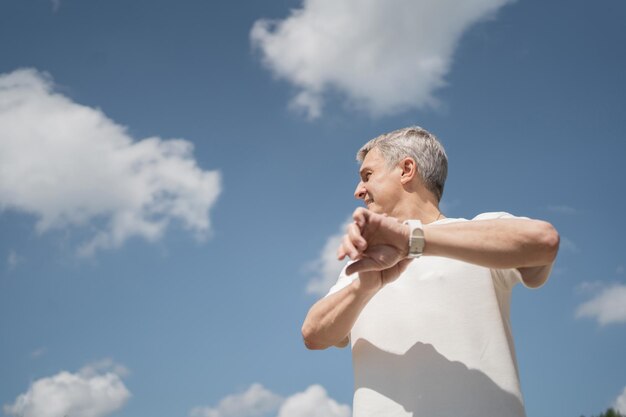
(69, 165)
(382, 56)
(96, 390)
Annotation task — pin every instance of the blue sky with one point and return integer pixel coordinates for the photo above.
(173, 174)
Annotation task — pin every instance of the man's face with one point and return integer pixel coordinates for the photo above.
(380, 186)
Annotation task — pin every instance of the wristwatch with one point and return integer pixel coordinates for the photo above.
(416, 238)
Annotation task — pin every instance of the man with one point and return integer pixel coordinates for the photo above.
(425, 302)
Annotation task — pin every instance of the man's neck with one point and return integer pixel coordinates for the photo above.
(425, 210)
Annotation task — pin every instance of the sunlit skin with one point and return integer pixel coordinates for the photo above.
(380, 186)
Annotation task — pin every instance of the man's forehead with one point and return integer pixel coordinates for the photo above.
(372, 158)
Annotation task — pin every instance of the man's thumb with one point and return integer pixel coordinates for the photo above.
(362, 265)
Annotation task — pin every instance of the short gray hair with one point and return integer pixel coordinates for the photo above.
(419, 144)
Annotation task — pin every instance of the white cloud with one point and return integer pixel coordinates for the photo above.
(259, 401)
(620, 402)
(620, 270)
(256, 401)
(69, 165)
(313, 402)
(384, 56)
(94, 391)
(104, 365)
(326, 268)
(607, 306)
(56, 5)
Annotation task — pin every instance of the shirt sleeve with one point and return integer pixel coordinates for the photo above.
(510, 277)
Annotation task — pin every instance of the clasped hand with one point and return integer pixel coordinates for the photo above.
(378, 244)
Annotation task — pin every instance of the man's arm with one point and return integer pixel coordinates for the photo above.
(330, 320)
(528, 245)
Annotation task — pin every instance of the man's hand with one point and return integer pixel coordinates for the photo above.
(379, 244)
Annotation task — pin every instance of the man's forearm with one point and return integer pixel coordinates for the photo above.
(527, 245)
(499, 243)
(330, 320)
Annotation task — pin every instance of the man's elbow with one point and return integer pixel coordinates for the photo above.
(549, 238)
(310, 341)
(312, 344)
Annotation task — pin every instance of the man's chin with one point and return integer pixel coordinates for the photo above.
(374, 208)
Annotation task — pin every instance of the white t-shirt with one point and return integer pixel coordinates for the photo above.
(437, 342)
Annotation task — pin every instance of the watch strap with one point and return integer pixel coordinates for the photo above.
(416, 238)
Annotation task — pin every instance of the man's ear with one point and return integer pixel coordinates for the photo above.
(409, 170)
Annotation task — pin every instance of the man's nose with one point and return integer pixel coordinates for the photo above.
(360, 192)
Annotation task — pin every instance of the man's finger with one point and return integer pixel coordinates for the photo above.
(363, 265)
(343, 250)
(354, 232)
(349, 248)
(360, 216)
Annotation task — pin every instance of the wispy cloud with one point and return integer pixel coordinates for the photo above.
(56, 5)
(95, 391)
(325, 269)
(607, 306)
(620, 270)
(38, 353)
(563, 209)
(620, 402)
(568, 245)
(13, 260)
(258, 401)
(71, 166)
(383, 56)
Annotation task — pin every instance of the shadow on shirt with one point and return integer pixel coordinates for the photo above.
(425, 383)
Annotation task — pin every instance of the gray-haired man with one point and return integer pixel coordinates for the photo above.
(425, 302)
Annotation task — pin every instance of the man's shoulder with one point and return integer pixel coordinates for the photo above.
(491, 215)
